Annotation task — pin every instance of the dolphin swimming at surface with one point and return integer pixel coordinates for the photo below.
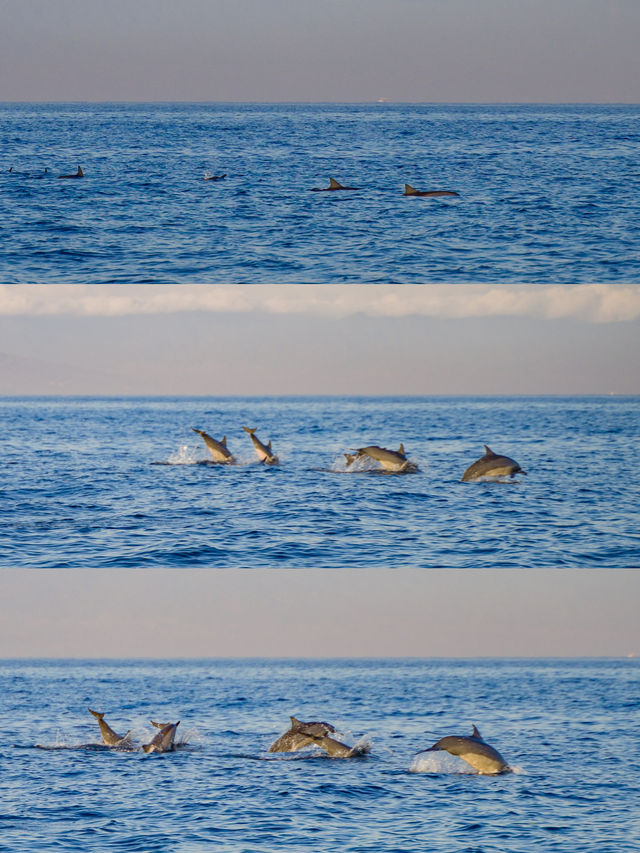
(482, 757)
(78, 174)
(412, 191)
(333, 185)
(108, 734)
(390, 460)
(492, 465)
(163, 741)
(263, 450)
(300, 735)
(218, 449)
(209, 176)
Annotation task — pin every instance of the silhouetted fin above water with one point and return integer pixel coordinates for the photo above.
(412, 191)
(333, 185)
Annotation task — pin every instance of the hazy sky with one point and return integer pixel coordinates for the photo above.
(307, 613)
(369, 339)
(320, 50)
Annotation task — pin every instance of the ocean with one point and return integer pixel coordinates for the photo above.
(547, 193)
(568, 729)
(125, 482)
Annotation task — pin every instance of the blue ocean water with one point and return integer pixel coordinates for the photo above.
(547, 193)
(568, 728)
(125, 482)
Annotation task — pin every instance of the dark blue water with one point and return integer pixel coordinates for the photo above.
(125, 482)
(569, 729)
(547, 193)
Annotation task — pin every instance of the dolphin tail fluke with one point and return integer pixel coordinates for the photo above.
(96, 714)
(250, 430)
(147, 747)
(335, 185)
(350, 457)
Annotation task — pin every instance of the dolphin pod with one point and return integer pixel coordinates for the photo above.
(492, 465)
(263, 450)
(475, 751)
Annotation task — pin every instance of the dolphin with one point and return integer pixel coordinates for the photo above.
(263, 450)
(336, 749)
(482, 757)
(78, 174)
(163, 741)
(390, 460)
(333, 185)
(208, 176)
(300, 735)
(492, 465)
(412, 191)
(218, 448)
(108, 734)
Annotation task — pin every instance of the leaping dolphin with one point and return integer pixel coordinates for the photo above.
(492, 465)
(482, 757)
(300, 735)
(412, 191)
(78, 174)
(108, 734)
(333, 185)
(218, 449)
(163, 741)
(336, 749)
(263, 450)
(390, 460)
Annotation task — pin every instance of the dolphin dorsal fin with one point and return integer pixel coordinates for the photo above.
(401, 449)
(476, 733)
(488, 451)
(409, 190)
(334, 184)
(269, 445)
(224, 440)
(80, 173)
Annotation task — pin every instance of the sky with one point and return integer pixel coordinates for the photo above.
(320, 50)
(360, 339)
(318, 613)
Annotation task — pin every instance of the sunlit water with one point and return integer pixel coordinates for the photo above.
(547, 193)
(126, 482)
(569, 729)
